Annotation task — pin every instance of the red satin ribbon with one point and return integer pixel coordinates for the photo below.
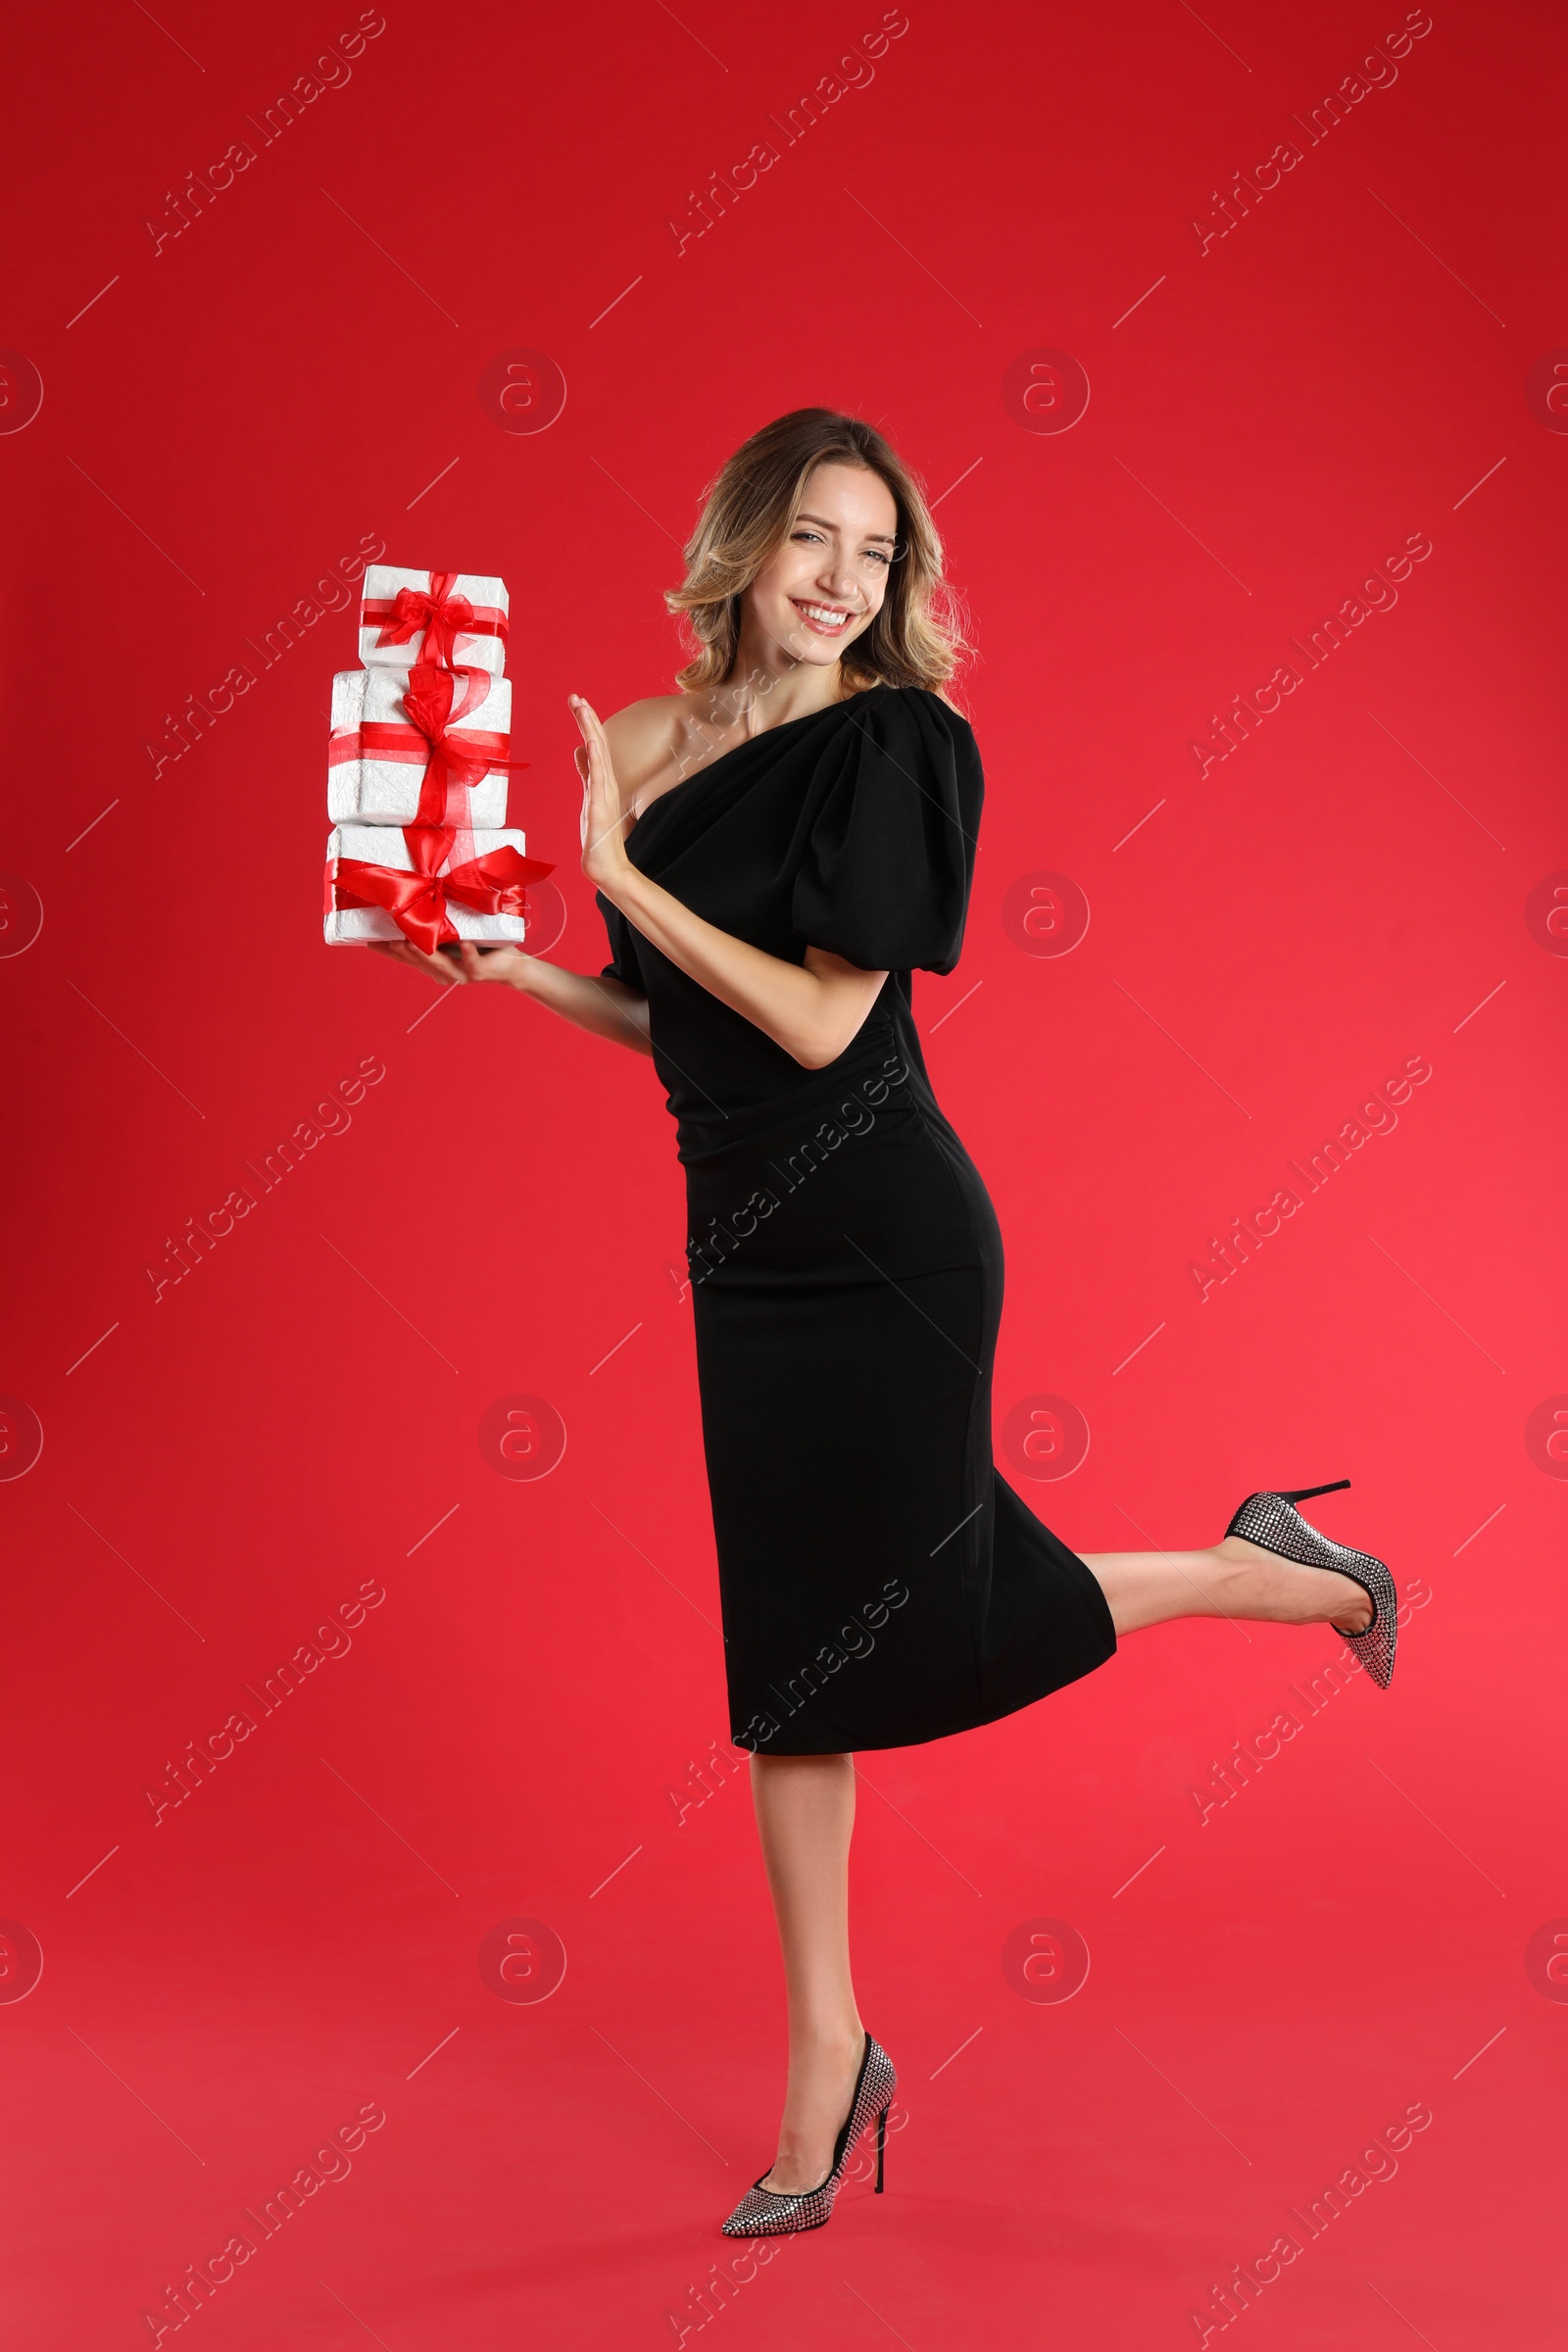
(453, 760)
(417, 901)
(442, 616)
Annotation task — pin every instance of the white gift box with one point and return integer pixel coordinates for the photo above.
(379, 782)
(483, 646)
(385, 845)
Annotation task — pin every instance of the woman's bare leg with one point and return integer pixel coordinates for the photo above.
(1232, 1579)
(805, 1814)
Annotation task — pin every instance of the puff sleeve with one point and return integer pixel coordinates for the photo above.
(885, 868)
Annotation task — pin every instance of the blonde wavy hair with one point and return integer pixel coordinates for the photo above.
(916, 638)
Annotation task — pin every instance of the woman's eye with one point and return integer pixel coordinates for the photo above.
(878, 555)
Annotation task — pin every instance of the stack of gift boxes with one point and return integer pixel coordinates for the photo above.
(418, 764)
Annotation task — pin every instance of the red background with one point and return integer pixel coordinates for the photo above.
(220, 422)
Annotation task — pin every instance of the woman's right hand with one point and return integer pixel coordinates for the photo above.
(605, 1008)
(507, 965)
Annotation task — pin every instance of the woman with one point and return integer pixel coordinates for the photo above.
(775, 848)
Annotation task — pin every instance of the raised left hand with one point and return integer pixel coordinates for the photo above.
(604, 818)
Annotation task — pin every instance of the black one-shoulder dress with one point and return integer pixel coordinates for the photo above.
(880, 1584)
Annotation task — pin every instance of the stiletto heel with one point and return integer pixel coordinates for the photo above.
(769, 2213)
(1274, 1524)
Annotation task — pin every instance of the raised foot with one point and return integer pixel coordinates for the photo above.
(1293, 1594)
(1359, 1612)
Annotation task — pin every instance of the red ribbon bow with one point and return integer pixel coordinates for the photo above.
(436, 610)
(417, 901)
(452, 761)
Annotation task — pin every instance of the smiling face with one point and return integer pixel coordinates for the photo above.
(824, 586)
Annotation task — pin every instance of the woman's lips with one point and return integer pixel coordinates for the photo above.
(809, 612)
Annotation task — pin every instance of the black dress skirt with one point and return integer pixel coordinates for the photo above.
(880, 1584)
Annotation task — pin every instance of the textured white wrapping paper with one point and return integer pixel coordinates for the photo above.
(379, 790)
(479, 651)
(380, 846)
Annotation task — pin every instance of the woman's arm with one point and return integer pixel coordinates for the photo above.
(813, 1011)
(604, 1008)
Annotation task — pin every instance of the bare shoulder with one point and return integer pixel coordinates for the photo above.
(657, 743)
(641, 728)
(646, 740)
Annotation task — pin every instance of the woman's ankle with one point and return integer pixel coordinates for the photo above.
(826, 2053)
(818, 2038)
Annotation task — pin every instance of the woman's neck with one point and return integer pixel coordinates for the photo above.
(767, 688)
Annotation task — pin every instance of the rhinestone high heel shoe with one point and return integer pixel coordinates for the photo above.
(1273, 1521)
(768, 2213)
